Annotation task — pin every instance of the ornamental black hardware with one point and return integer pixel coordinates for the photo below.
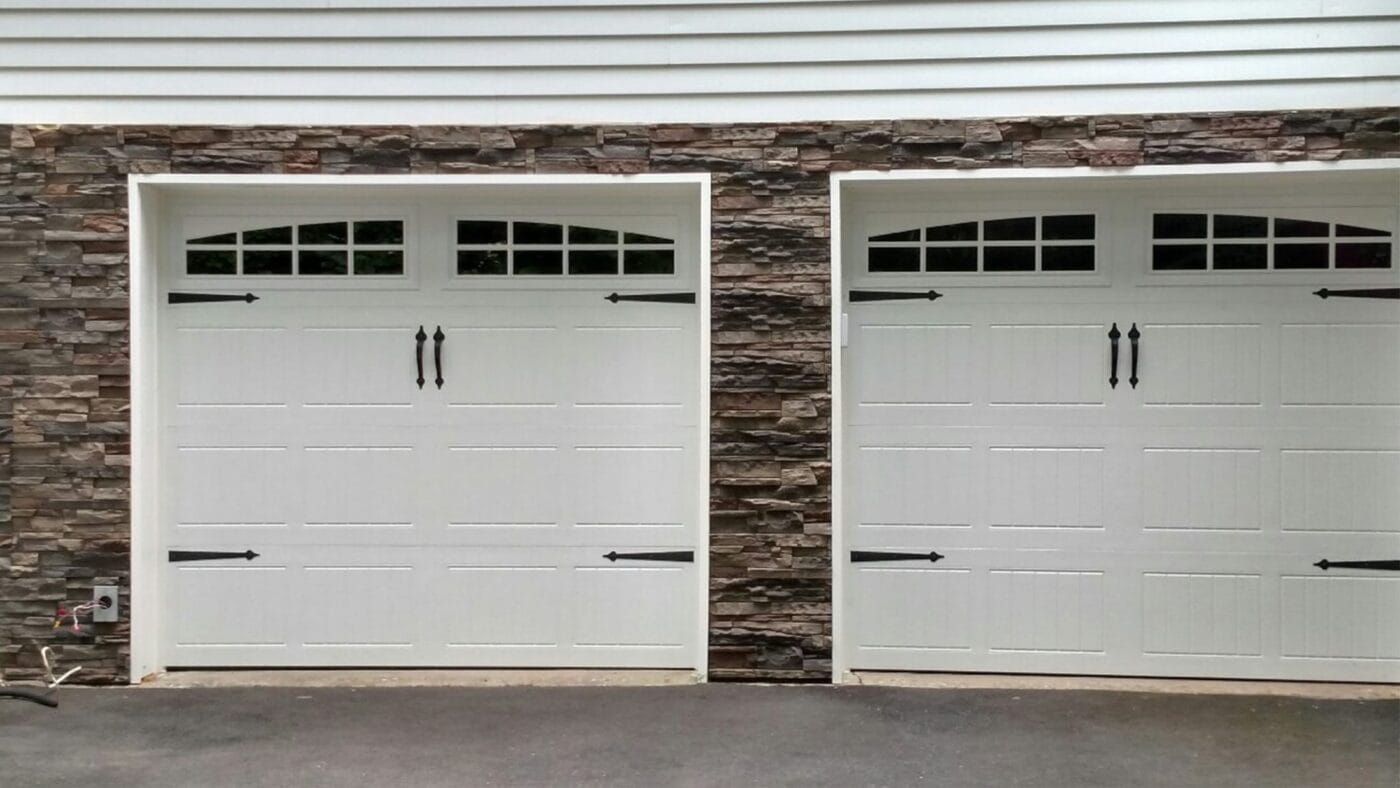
(679, 556)
(1113, 336)
(1385, 566)
(438, 337)
(659, 298)
(868, 556)
(859, 296)
(202, 298)
(1133, 335)
(207, 555)
(420, 338)
(1392, 293)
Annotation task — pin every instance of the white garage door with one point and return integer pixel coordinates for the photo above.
(1128, 437)
(432, 440)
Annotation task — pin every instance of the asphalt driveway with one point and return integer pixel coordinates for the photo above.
(696, 735)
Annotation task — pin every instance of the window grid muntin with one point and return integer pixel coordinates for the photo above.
(510, 247)
(1270, 241)
(981, 242)
(295, 247)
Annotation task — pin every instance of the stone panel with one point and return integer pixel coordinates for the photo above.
(64, 443)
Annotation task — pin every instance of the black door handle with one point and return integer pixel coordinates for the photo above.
(421, 337)
(1113, 335)
(438, 337)
(1133, 335)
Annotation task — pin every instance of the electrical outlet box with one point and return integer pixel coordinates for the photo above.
(109, 613)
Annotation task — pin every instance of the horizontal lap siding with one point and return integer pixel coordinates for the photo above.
(430, 62)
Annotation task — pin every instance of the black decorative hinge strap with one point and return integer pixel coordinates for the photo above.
(868, 556)
(859, 296)
(1384, 566)
(204, 298)
(208, 555)
(679, 556)
(1392, 293)
(659, 298)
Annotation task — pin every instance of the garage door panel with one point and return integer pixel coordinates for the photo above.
(903, 610)
(234, 486)
(1202, 489)
(1341, 617)
(344, 486)
(614, 607)
(1340, 364)
(1047, 364)
(506, 372)
(926, 486)
(630, 486)
(233, 367)
(1202, 614)
(1193, 365)
(1045, 487)
(357, 367)
(1341, 490)
(911, 365)
(510, 606)
(226, 612)
(1048, 611)
(499, 485)
(625, 366)
(362, 602)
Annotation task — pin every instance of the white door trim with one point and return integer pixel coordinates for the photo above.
(841, 180)
(144, 205)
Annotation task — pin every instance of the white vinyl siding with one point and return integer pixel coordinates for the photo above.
(649, 61)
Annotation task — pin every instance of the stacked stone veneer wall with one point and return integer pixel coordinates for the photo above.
(64, 427)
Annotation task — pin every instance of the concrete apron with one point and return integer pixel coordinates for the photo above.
(191, 679)
(203, 679)
(1297, 689)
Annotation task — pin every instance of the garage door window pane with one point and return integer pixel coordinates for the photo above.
(256, 263)
(483, 233)
(1352, 231)
(963, 231)
(200, 262)
(1008, 258)
(378, 263)
(649, 261)
(1240, 257)
(639, 238)
(1363, 255)
(1179, 225)
(592, 262)
(383, 233)
(1077, 227)
(537, 233)
(591, 235)
(324, 234)
(951, 258)
(268, 236)
(318, 263)
(1230, 226)
(903, 235)
(1067, 258)
(532, 263)
(893, 259)
(226, 239)
(1299, 228)
(481, 261)
(1190, 257)
(1288, 256)
(1022, 229)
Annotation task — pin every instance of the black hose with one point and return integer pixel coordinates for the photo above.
(33, 695)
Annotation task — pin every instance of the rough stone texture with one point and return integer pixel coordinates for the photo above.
(64, 445)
